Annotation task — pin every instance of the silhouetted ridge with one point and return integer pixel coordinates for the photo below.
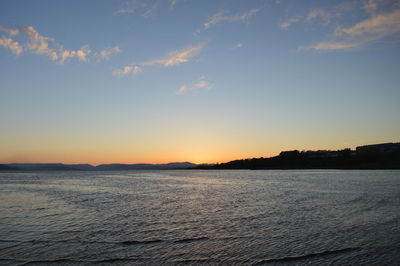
(377, 156)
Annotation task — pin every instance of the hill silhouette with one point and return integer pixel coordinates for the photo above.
(88, 167)
(377, 156)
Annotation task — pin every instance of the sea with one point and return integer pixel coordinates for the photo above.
(200, 217)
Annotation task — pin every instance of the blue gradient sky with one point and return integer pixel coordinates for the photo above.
(195, 80)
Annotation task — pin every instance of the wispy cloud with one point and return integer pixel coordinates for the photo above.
(150, 10)
(43, 45)
(176, 57)
(286, 24)
(127, 70)
(105, 54)
(201, 84)
(146, 8)
(313, 15)
(171, 59)
(37, 43)
(221, 16)
(10, 31)
(81, 54)
(238, 45)
(373, 6)
(331, 45)
(10, 44)
(130, 7)
(380, 25)
(371, 29)
(125, 10)
(183, 89)
(320, 15)
(173, 3)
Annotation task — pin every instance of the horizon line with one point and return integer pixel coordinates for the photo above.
(185, 161)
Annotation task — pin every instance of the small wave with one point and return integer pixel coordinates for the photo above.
(73, 241)
(125, 243)
(136, 242)
(185, 240)
(75, 261)
(209, 261)
(234, 237)
(55, 261)
(356, 199)
(10, 262)
(116, 260)
(199, 260)
(311, 255)
(13, 246)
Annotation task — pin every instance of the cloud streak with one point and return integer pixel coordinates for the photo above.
(171, 59)
(313, 15)
(10, 44)
(371, 29)
(176, 57)
(201, 84)
(147, 8)
(238, 45)
(105, 54)
(127, 70)
(43, 45)
(81, 54)
(331, 45)
(173, 3)
(10, 31)
(130, 7)
(285, 25)
(321, 15)
(371, 6)
(220, 17)
(381, 25)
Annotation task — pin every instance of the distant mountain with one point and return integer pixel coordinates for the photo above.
(88, 167)
(48, 166)
(6, 167)
(145, 166)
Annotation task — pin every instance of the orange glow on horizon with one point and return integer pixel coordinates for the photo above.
(98, 158)
(175, 144)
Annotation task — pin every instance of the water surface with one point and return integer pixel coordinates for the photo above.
(200, 217)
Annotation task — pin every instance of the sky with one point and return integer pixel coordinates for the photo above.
(205, 81)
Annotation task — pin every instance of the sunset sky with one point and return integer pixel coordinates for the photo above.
(155, 81)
